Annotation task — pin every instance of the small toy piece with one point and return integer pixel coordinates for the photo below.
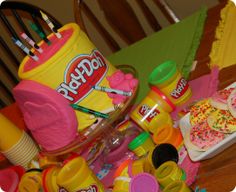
(121, 81)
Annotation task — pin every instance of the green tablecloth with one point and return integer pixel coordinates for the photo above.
(177, 42)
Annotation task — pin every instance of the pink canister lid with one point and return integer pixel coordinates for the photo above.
(143, 182)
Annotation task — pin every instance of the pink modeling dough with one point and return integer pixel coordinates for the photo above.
(121, 81)
(47, 114)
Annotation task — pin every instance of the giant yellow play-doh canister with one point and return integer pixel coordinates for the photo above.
(169, 80)
(71, 65)
(149, 115)
(76, 175)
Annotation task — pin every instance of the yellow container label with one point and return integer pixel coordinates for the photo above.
(148, 114)
(178, 91)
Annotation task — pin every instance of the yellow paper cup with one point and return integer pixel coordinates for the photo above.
(75, 175)
(9, 133)
(72, 65)
(22, 152)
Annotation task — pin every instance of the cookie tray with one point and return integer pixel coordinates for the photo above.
(195, 155)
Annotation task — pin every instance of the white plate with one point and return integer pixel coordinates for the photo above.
(195, 155)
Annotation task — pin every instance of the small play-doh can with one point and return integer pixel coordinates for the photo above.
(167, 134)
(121, 177)
(76, 175)
(169, 172)
(31, 181)
(121, 184)
(143, 182)
(156, 95)
(177, 186)
(49, 179)
(149, 115)
(170, 81)
(163, 153)
(142, 144)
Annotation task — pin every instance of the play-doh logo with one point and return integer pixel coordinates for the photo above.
(180, 89)
(91, 188)
(81, 74)
(147, 112)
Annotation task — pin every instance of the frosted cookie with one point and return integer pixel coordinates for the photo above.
(232, 103)
(219, 99)
(223, 121)
(203, 137)
(200, 111)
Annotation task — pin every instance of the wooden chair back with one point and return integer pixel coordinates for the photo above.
(122, 18)
(15, 18)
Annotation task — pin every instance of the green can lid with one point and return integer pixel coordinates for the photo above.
(139, 140)
(162, 72)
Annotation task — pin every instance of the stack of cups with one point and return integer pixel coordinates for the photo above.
(16, 145)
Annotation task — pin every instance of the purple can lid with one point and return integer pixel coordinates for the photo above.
(143, 182)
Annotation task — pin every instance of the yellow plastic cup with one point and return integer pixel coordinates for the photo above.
(177, 186)
(72, 65)
(31, 181)
(9, 133)
(75, 175)
(149, 115)
(169, 172)
(170, 81)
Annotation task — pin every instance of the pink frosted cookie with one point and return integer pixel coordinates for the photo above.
(219, 99)
(203, 137)
(47, 114)
(232, 103)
